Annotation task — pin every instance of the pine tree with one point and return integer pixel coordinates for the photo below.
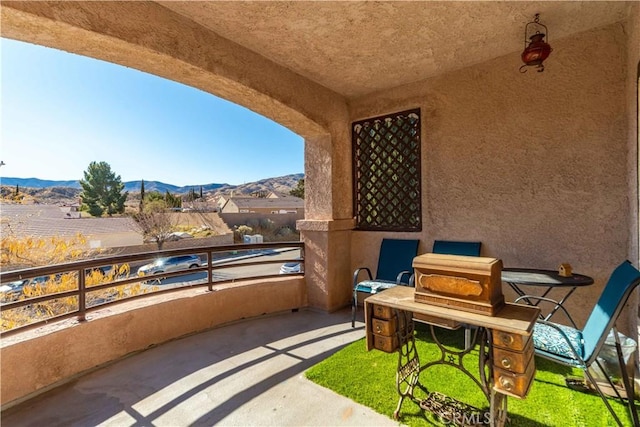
(172, 201)
(299, 190)
(141, 196)
(102, 190)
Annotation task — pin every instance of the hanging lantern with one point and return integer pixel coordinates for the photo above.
(536, 50)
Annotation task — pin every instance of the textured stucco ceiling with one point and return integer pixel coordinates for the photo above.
(355, 48)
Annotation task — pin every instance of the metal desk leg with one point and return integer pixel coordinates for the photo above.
(498, 404)
(447, 408)
(450, 409)
(408, 373)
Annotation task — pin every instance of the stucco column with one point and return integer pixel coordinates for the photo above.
(326, 229)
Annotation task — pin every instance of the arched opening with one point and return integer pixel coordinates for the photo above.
(171, 46)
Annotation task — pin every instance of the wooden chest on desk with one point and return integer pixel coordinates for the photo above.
(382, 328)
(466, 283)
(513, 363)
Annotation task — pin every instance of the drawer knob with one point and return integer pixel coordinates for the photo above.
(506, 362)
(506, 339)
(378, 329)
(506, 383)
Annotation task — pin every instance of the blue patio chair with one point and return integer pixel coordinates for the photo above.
(394, 268)
(449, 247)
(580, 348)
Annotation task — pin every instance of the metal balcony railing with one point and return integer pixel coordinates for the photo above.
(35, 296)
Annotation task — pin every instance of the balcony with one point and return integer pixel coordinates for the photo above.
(540, 167)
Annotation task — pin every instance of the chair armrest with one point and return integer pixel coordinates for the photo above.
(401, 275)
(357, 273)
(549, 300)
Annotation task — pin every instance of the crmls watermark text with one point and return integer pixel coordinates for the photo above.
(468, 419)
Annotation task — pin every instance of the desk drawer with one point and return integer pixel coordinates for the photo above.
(388, 344)
(512, 383)
(384, 327)
(510, 341)
(513, 361)
(382, 312)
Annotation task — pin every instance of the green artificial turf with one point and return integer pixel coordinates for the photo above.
(369, 378)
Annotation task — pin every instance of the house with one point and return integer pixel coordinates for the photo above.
(277, 195)
(264, 205)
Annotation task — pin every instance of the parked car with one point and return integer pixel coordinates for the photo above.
(174, 263)
(12, 291)
(291, 268)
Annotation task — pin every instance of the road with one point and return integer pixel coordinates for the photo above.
(237, 269)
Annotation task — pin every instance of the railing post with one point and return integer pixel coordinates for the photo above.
(210, 270)
(82, 301)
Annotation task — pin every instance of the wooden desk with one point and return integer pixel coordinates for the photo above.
(506, 360)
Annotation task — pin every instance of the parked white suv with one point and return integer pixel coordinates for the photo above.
(291, 268)
(174, 263)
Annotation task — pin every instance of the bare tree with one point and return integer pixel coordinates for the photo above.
(156, 222)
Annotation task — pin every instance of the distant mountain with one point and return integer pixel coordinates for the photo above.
(134, 186)
(281, 184)
(47, 191)
(131, 186)
(38, 183)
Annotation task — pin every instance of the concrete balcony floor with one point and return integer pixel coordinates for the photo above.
(247, 373)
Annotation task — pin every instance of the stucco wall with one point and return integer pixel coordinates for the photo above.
(111, 333)
(533, 165)
(278, 220)
(633, 75)
(114, 240)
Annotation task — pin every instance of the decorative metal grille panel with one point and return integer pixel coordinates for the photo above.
(386, 157)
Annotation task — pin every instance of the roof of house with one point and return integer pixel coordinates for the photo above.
(266, 203)
(280, 195)
(50, 220)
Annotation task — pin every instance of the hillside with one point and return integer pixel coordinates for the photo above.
(282, 184)
(131, 186)
(55, 193)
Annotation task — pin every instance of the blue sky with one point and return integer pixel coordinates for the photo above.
(61, 111)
